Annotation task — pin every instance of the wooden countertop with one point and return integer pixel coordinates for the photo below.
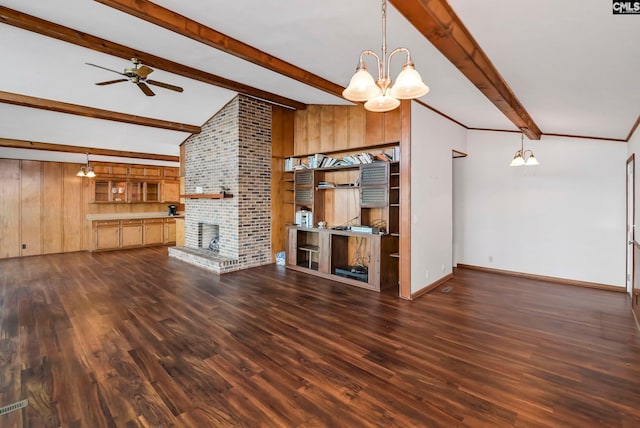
(128, 216)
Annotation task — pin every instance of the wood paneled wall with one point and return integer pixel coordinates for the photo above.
(43, 206)
(326, 128)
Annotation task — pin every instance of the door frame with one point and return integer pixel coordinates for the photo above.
(630, 234)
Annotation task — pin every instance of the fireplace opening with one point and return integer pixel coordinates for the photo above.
(209, 236)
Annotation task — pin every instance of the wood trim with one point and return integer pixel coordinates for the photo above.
(33, 145)
(585, 137)
(457, 154)
(632, 161)
(404, 262)
(437, 21)
(50, 29)
(633, 129)
(187, 27)
(616, 140)
(207, 196)
(349, 149)
(423, 104)
(431, 287)
(553, 279)
(96, 113)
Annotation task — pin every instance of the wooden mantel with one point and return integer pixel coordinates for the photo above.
(207, 196)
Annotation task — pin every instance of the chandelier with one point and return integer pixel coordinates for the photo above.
(86, 171)
(522, 156)
(379, 95)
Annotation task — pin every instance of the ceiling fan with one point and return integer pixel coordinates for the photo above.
(138, 75)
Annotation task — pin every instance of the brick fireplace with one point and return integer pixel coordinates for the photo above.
(233, 152)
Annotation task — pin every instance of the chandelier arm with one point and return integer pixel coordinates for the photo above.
(372, 53)
(383, 72)
(395, 51)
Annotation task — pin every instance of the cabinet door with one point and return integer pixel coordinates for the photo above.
(170, 231)
(171, 191)
(153, 232)
(107, 235)
(100, 191)
(136, 191)
(131, 233)
(171, 172)
(152, 192)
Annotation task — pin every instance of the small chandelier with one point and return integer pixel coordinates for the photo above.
(86, 171)
(521, 157)
(379, 95)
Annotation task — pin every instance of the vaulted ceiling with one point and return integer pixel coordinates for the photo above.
(569, 68)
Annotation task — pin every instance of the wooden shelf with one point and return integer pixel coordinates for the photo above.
(395, 255)
(350, 150)
(207, 196)
(310, 248)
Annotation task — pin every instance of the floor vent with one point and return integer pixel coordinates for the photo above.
(15, 406)
(447, 289)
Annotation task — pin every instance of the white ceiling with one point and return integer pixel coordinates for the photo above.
(572, 64)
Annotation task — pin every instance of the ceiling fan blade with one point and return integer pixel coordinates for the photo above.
(165, 85)
(111, 81)
(105, 68)
(144, 71)
(144, 88)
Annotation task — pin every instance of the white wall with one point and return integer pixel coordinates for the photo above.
(564, 218)
(432, 139)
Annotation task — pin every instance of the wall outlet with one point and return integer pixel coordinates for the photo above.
(426, 274)
(490, 259)
(442, 268)
(199, 189)
(24, 246)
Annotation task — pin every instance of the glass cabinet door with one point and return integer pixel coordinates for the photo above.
(135, 192)
(119, 191)
(101, 191)
(152, 192)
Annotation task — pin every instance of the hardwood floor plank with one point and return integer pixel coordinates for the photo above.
(136, 339)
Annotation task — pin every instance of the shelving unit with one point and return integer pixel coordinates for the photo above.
(366, 194)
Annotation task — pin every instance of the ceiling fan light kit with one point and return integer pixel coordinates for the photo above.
(138, 75)
(522, 156)
(379, 95)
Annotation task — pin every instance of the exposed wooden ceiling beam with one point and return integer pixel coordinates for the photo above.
(177, 23)
(49, 29)
(96, 113)
(51, 147)
(437, 21)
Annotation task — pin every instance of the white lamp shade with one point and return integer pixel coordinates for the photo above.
(80, 173)
(532, 160)
(518, 160)
(409, 85)
(90, 173)
(362, 87)
(381, 104)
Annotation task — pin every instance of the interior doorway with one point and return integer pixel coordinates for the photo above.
(630, 226)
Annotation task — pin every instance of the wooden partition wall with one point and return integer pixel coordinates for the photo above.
(43, 206)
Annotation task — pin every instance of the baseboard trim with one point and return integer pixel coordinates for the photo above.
(545, 278)
(431, 287)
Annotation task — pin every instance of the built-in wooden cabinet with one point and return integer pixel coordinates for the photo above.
(106, 235)
(119, 183)
(341, 197)
(132, 233)
(153, 230)
(169, 235)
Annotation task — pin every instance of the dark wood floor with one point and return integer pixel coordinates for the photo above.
(128, 339)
